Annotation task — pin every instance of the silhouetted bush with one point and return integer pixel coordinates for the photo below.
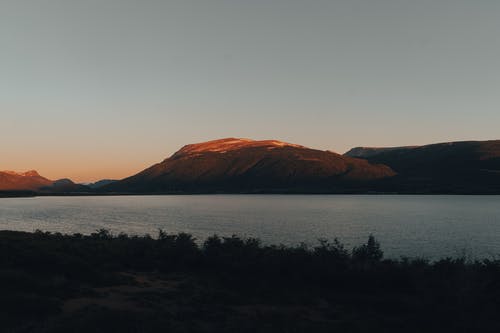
(39, 270)
(369, 252)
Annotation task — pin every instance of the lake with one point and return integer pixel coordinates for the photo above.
(406, 225)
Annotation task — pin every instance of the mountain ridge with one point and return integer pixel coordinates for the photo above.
(241, 165)
(244, 165)
(449, 167)
(230, 144)
(29, 180)
(32, 181)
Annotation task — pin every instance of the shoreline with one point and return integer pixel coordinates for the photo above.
(28, 194)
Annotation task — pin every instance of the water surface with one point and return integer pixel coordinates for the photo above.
(406, 225)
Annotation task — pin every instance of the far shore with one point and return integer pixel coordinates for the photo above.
(30, 194)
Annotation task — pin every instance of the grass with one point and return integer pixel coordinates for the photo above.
(101, 282)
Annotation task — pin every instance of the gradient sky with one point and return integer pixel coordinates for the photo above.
(103, 88)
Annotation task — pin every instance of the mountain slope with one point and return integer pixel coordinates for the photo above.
(366, 152)
(64, 185)
(30, 180)
(453, 167)
(243, 165)
(100, 183)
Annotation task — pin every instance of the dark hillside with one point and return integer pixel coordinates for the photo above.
(242, 165)
(455, 167)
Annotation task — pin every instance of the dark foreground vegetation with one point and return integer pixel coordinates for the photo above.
(105, 283)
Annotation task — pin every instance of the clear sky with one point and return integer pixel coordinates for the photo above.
(103, 88)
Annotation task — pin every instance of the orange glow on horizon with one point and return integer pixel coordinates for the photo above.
(90, 171)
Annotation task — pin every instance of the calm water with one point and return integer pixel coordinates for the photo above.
(425, 226)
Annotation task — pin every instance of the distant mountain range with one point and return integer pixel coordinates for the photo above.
(30, 180)
(100, 183)
(247, 166)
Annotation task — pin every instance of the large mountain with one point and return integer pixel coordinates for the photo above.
(243, 165)
(30, 180)
(452, 167)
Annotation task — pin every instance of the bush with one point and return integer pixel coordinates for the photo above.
(369, 252)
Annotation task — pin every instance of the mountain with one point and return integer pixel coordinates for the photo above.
(64, 185)
(100, 183)
(247, 166)
(30, 180)
(366, 152)
(451, 167)
(244, 165)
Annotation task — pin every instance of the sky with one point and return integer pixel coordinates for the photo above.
(104, 88)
